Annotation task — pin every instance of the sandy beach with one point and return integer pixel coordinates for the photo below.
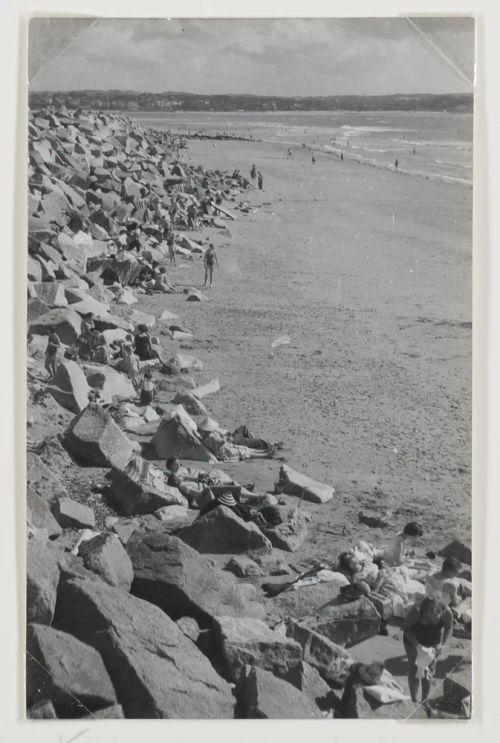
(368, 272)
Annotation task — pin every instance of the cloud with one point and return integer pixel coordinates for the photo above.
(281, 56)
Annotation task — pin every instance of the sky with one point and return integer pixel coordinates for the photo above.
(264, 57)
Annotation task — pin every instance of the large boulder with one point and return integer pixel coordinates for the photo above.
(73, 515)
(261, 695)
(93, 437)
(459, 550)
(190, 402)
(221, 531)
(245, 640)
(295, 483)
(291, 533)
(109, 382)
(174, 437)
(42, 575)
(332, 661)
(172, 575)
(156, 671)
(39, 515)
(141, 487)
(65, 671)
(43, 710)
(51, 293)
(66, 322)
(346, 624)
(41, 481)
(243, 566)
(106, 556)
(70, 387)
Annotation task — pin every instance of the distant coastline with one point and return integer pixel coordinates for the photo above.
(120, 100)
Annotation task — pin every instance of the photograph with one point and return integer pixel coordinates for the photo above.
(249, 368)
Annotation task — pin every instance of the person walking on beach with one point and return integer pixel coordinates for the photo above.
(260, 180)
(253, 172)
(289, 154)
(209, 261)
(313, 158)
(396, 164)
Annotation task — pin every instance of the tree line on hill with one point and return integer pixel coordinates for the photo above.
(133, 101)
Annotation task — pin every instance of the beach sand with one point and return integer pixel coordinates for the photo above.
(369, 273)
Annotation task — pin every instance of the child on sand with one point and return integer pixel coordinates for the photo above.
(209, 261)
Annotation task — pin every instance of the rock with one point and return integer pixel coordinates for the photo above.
(261, 695)
(189, 627)
(66, 322)
(221, 531)
(71, 251)
(174, 438)
(42, 574)
(167, 315)
(295, 483)
(69, 673)
(245, 640)
(106, 556)
(73, 515)
(41, 480)
(70, 380)
(124, 529)
(156, 671)
(346, 624)
(172, 575)
(210, 388)
(243, 567)
(141, 318)
(459, 550)
(116, 334)
(51, 293)
(109, 382)
(43, 710)
(310, 682)
(93, 437)
(34, 270)
(190, 402)
(114, 712)
(39, 515)
(291, 533)
(172, 513)
(36, 309)
(183, 362)
(195, 295)
(141, 487)
(332, 661)
(271, 564)
(372, 520)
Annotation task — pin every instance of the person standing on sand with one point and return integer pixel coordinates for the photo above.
(289, 154)
(253, 172)
(341, 157)
(209, 261)
(260, 180)
(313, 158)
(171, 247)
(426, 630)
(396, 164)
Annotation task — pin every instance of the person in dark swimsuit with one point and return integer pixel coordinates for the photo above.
(428, 624)
(209, 261)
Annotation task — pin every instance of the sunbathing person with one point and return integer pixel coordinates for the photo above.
(224, 446)
(192, 483)
(211, 501)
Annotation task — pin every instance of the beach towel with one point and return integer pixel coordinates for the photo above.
(425, 656)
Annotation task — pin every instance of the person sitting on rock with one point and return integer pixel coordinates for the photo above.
(396, 552)
(100, 353)
(160, 282)
(225, 499)
(361, 574)
(445, 585)
(143, 346)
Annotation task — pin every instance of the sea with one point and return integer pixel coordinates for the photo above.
(428, 144)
